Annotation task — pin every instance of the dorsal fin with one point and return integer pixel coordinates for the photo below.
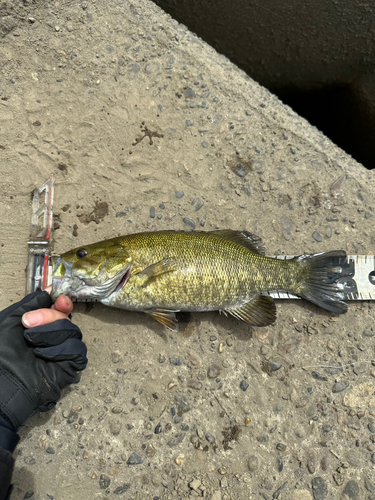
(251, 241)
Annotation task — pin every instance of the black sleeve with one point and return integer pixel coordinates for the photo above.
(6, 471)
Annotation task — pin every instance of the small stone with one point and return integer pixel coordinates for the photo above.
(135, 459)
(240, 170)
(50, 450)
(182, 404)
(319, 376)
(248, 112)
(317, 236)
(373, 458)
(177, 439)
(351, 491)
(28, 494)
(371, 428)
(214, 371)
(158, 429)
(252, 463)
(179, 194)
(195, 384)
(175, 360)
(189, 93)
(115, 427)
(122, 489)
(117, 409)
(161, 358)
(189, 123)
(244, 385)
(104, 482)
(274, 367)
(319, 488)
(340, 386)
(152, 212)
(281, 446)
(188, 222)
(116, 357)
(204, 144)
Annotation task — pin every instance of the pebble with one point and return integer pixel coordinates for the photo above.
(50, 450)
(161, 358)
(182, 404)
(104, 482)
(116, 357)
(287, 226)
(194, 484)
(195, 384)
(204, 144)
(351, 491)
(318, 376)
(135, 459)
(340, 386)
(158, 429)
(152, 212)
(253, 463)
(371, 428)
(179, 194)
(115, 427)
(274, 367)
(121, 489)
(189, 123)
(28, 494)
(117, 409)
(175, 360)
(214, 371)
(177, 439)
(317, 236)
(244, 385)
(248, 112)
(281, 446)
(188, 222)
(319, 488)
(198, 202)
(240, 170)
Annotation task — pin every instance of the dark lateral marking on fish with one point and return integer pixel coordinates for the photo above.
(147, 133)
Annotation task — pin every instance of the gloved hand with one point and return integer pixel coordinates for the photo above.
(36, 363)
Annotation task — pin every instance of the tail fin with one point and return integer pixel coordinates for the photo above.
(321, 286)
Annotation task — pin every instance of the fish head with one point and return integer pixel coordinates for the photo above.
(91, 272)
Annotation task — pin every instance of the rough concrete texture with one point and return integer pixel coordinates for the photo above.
(223, 411)
(317, 56)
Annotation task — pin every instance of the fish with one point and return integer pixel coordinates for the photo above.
(170, 274)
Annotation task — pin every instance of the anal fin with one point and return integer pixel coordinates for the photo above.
(259, 311)
(174, 320)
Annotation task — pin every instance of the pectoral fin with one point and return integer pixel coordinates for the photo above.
(150, 273)
(174, 320)
(259, 311)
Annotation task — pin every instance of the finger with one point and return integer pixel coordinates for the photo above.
(42, 317)
(53, 334)
(63, 304)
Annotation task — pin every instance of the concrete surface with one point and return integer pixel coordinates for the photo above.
(81, 84)
(317, 56)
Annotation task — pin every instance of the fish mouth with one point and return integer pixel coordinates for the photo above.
(85, 289)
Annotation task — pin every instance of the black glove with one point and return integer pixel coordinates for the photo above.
(36, 364)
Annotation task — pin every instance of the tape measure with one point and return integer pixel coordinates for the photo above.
(357, 278)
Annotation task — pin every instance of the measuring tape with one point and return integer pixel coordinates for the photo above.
(357, 278)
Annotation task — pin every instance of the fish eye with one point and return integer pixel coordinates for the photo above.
(81, 253)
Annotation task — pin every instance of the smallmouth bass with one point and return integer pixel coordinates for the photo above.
(168, 274)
